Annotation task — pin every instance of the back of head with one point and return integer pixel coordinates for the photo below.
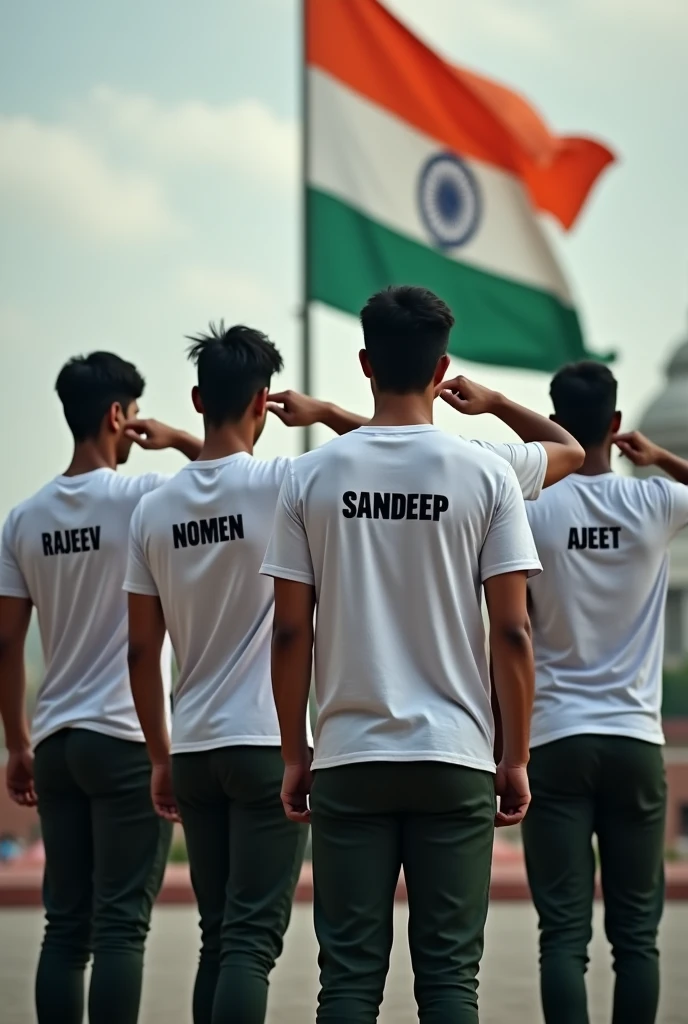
(584, 399)
(406, 333)
(233, 365)
(89, 385)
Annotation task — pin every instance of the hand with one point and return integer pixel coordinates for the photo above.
(467, 397)
(151, 434)
(19, 777)
(295, 409)
(636, 447)
(296, 788)
(162, 794)
(511, 785)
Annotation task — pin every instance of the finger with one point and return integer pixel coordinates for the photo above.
(279, 412)
(301, 817)
(279, 396)
(142, 442)
(505, 820)
(451, 399)
(138, 426)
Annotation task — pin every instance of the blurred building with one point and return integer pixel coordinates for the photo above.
(666, 423)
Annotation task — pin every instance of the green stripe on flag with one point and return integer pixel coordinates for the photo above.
(497, 321)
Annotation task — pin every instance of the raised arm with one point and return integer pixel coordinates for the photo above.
(297, 410)
(643, 452)
(564, 454)
(154, 436)
(146, 638)
(15, 616)
(292, 660)
(514, 682)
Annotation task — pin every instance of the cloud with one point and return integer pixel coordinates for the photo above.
(220, 292)
(245, 136)
(52, 169)
(504, 21)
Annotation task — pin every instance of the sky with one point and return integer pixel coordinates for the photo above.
(149, 183)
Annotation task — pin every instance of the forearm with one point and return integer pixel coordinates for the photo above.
(673, 465)
(149, 700)
(292, 660)
(339, 420)
(497, 716)
(13, 699)
(188, 445)
(529, 425)
(514, 684)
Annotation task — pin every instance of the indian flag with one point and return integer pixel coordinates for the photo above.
(421, 173)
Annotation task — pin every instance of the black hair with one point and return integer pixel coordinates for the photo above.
(88, 385)
(406, 332)
(584, 399)
(233, 364)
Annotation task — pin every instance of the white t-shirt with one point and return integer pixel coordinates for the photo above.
(598, 608)
(397, 528)
(66, 549)
(198, 543)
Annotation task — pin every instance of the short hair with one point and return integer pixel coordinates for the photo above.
(233, 364)
(584, 399)
(88, 385)
(406, 331)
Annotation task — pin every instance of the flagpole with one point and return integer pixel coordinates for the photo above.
(306, 363)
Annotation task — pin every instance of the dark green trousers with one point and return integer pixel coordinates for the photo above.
(370, 820)
(614, 788)
(245, 858)
(105, 855)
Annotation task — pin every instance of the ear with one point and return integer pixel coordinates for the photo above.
(197, 400)
(616, 422)
(441, 370)
(114, 418)
(365, 363)
(260, 403)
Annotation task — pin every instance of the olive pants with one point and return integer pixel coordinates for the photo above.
(369, 820)
(612, 787)
(105, 855)
(245, 858)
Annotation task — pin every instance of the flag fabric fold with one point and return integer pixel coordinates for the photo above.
(423, 173)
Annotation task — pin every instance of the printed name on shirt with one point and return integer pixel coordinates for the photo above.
(593, 538)
(208, 531)
(71, 542)
(389, 505)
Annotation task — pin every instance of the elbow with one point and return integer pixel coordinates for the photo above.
(576, 456)
(514, 637)
(286, 634)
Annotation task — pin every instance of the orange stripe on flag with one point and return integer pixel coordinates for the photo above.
(362, 45)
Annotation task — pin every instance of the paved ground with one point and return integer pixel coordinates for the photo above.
(508, 977)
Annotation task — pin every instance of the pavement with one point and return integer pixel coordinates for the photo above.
(508, 989)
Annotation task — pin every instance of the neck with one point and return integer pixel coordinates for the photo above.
(229, 439)
(598, 460)
(402, 410)
(90, 455)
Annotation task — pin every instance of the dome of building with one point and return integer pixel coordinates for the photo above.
(666, 419)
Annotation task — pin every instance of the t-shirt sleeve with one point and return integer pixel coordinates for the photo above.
(288, 555)
(509, 544)
(528, 461)
(674, 503)
(12, 582)
(139, 579)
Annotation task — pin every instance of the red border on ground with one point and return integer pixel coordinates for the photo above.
(20, 886)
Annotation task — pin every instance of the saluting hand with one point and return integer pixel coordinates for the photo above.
(162, 793)
(151, 434)
(295, 409)
(638, 448)
(466, 396)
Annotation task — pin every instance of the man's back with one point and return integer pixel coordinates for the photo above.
(198, 543)
(598, 609)
(65, 548)
(403, 524)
